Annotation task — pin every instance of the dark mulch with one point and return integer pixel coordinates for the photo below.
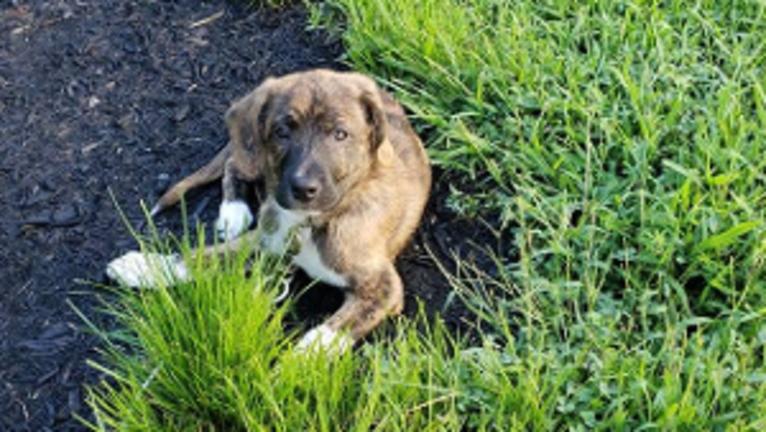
(125, 96)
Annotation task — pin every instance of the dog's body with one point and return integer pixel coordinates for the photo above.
(335, 163)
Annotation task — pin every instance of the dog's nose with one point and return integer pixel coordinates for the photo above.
(304, 188)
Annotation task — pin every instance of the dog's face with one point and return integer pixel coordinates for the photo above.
(312, 136)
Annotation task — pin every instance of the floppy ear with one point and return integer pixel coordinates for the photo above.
(372, 106)
(246, 120)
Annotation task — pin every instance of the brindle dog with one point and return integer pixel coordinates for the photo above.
(335, 162)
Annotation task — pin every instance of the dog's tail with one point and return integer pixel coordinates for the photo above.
(213, 170)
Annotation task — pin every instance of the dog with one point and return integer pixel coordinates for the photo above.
(333, 160)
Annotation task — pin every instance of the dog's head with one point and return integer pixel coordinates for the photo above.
(313, 136)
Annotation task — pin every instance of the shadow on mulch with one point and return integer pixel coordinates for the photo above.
(126, 97)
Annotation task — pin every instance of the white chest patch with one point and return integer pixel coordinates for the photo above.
(284, 231)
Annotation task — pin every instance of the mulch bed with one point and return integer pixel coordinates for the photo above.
(119, 98)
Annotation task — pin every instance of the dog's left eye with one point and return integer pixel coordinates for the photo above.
(340, 134)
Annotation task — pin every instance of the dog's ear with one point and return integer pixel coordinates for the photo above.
(372, 106)
(246, 117)
(246, 120)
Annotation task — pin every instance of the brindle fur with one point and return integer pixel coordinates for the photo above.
(374, 184)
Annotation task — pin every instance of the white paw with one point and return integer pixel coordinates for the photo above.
(324, 339)
(136, 269)
(234, 218)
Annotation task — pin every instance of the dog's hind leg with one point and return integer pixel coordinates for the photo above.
(137, 269)
(213, 170)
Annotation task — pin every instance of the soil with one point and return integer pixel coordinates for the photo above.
(102, 105)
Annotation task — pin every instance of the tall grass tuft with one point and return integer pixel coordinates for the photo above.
(213, 354)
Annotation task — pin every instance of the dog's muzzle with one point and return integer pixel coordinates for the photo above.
(304, 188)
(304, 185)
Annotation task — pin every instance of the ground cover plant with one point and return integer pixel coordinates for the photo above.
(619, 144)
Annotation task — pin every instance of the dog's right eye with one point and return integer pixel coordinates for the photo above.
(282, 131)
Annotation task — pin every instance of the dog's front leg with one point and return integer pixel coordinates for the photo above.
(234, 216)
(367, 304)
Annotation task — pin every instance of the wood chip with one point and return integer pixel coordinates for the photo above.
(206, 21)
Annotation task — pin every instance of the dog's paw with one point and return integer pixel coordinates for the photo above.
(234, 218)
(325, 340)
(143, 270)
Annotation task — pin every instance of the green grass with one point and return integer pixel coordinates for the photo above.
(213, 355)
(618, 143)
(606, 135)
